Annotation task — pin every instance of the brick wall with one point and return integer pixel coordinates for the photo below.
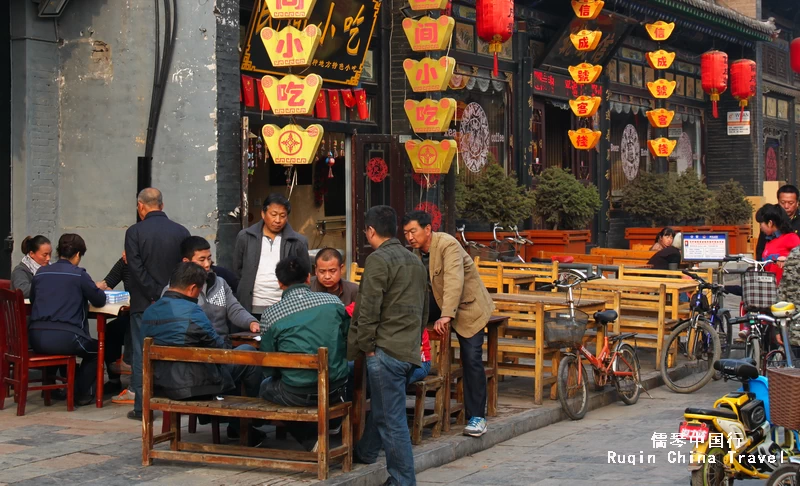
(730, 157)
(746, 7)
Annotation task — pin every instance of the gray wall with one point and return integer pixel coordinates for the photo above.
(80, 119)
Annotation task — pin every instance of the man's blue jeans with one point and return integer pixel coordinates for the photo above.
(137, 340)
(386, 424)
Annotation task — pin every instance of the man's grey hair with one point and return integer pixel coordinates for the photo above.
(150, 197)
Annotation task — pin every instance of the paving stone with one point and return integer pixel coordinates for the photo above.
(7, 448)
(43, 439)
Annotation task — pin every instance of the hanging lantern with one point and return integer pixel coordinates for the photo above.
(584, 138)
(585, 106)
(714, 76)
(330, 161)
(743, 82)
(495, 23)
(587, 9)
(795, 53)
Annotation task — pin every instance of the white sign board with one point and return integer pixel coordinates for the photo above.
(705, 247)
(737, 126)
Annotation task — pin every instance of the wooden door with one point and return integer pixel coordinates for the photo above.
(378, 175)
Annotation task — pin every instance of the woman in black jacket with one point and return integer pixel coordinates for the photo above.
(59, 321)
(37, 252)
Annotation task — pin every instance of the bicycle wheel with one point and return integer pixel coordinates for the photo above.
(696, 350)
(724, 330)
(573, 395)
(627, 386)
(786, 475)
(753, 350)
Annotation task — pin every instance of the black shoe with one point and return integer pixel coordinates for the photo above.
(59, 395)
(84, 400)
(134, 415)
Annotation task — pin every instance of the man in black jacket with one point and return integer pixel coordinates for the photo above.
(153, 249)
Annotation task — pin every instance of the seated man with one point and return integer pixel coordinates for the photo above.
(302, 322)
(329, 269)
(177, 320)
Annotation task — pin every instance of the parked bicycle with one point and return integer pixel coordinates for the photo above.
(565, 328)
(784, 314)
(506, 251)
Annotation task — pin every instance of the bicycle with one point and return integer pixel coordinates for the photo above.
(477, 250)
(782, 314)
(504, 249)
(565, 328)
(699, 337)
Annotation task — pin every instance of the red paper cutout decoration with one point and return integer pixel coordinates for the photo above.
(433, 210)
(425, 182)
(377, 170)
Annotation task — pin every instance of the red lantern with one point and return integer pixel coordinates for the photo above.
(495, 22)
(714, 75)
(795, 52)
(743, 81)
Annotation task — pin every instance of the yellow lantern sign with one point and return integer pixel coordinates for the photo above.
(660, 59)
(587, 9)
(661, 147)
(292, 145)
(584, 139)
(428, 4)
(660, 31)
(292, 95)
(431, 157)
(660, 118)
(291, 47)
(585, 73)
(427, 34)
(290, 9)
(430, 116)
(429, 74)
(585, 106)
(661, 89)
(586, 40)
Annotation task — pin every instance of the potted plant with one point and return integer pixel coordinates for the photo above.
(730, 212)
(567, 207)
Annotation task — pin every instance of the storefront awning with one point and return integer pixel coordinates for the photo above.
(619, 103)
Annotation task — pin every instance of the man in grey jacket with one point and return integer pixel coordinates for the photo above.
(258, 250)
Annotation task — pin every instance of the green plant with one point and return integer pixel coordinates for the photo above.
(494, 198)
(563, 202)
(730, 205)
(667, 199)
(692, 198)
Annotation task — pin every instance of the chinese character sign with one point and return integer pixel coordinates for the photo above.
(292, 144)
(587, 9)
(430, 156)
(427, 34)
(429, 74)
(661, 89)
(585, 106)
(290, 9)
(292, 95)
(586, 40)
(660, 59)
(585, 73)
(661, 147)
(430, 116)
(428, 4)
(660, 118)
(584, 139)
(291, 47)
(660, 31)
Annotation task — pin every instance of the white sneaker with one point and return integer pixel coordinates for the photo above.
(126, 397)
(476, 427)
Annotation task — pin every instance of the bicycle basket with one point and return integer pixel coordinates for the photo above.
(784, 388)
(564, 328)
(759, 289)
(485, 253)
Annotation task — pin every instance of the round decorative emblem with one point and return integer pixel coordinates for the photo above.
(474, 139)
(630, 152)
(683, 153)
(771, 165)
(427, 156)
(290, 142)
(433, 210)
(377, 169)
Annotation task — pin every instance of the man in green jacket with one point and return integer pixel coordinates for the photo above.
(391, 311)
(302, 322)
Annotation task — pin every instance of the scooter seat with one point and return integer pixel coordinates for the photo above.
(714, 412)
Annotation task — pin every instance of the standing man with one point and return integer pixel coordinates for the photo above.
(153, 249)
(788, 200)
(258, 250)
(391, 311)
(458, 298)
(328, 276)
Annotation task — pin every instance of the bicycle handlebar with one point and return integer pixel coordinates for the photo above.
(752, 318)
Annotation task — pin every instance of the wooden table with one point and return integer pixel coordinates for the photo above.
(674, 289)
(513, 281)
(100, 314)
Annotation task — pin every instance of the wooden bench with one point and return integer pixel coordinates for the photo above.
(499, 275)
(245, 409)
(577, 257)
(665, 276)
(618, 256)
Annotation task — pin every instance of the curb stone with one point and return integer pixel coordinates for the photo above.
(450, 448)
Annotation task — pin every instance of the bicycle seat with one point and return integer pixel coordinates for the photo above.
(713, 412)
(563, 258)
(744, 369)
(782, 309)
(606, 316)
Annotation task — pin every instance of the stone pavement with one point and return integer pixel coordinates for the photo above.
(576, 453)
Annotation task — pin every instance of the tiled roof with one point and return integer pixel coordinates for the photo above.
(709, 6)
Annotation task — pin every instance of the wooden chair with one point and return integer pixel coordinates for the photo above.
(356, 272)
(5, 284)
(667, 276)
(434, 383)
(577, 257)
(14, 336)
(491, 274)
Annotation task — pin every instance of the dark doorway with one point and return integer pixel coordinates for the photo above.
(5, 141)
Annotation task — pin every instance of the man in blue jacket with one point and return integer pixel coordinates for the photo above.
(177, 320)
(153, 249)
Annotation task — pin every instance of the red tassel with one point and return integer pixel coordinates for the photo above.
(714, 109)
(330, 172)
(496, 71)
